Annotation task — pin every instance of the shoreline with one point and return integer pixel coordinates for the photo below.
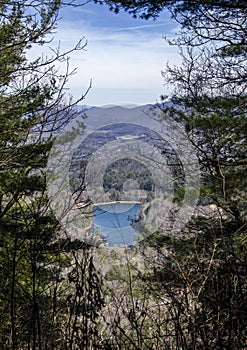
(116, 202)
(82, 205)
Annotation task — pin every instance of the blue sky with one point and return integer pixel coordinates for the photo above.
(124, 57)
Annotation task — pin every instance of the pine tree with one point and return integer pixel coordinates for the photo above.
(32, 108)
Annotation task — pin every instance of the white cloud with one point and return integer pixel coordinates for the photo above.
(116, 58)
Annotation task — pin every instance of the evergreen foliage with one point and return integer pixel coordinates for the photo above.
(34, 253)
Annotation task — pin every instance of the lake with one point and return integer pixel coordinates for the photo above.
(115, 222)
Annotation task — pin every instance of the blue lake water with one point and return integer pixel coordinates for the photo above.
(115, 222)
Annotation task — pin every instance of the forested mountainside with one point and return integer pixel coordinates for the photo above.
(62, 290)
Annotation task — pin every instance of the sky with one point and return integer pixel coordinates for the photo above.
(124, 57)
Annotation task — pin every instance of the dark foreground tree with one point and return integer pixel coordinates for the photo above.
(33, 106)
(204, 276)
(210, 101)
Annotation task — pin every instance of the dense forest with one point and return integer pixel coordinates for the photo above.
(168, 292)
